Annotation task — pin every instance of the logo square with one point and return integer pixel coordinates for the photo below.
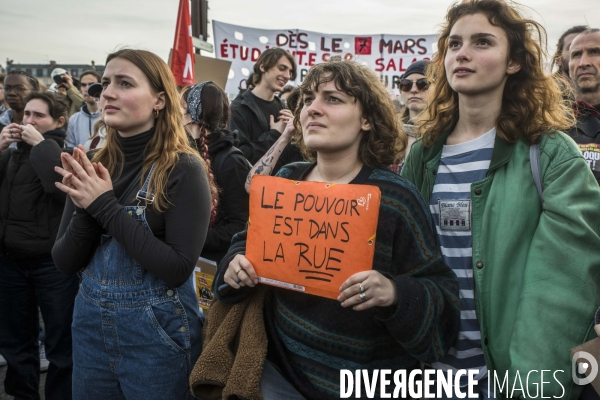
(362, 45)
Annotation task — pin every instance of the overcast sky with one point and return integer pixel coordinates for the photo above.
(78, 31)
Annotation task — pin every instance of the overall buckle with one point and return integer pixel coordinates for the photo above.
(145, 197)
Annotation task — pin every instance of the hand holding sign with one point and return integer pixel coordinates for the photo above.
(240, 272)
(378, 290)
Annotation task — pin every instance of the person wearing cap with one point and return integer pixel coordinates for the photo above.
(81, 124)
(72, 92)
(414, 92)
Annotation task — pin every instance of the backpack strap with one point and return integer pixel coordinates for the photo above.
(221, 157)
(534, 160)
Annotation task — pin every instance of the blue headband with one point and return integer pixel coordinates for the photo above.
(194, 102)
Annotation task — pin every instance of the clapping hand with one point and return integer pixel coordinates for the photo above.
(82, 180)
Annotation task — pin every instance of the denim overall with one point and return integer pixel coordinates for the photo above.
(134, 337)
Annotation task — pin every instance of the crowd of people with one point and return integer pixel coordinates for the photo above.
(112, 186)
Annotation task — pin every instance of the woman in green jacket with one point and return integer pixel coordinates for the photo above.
(527, 263)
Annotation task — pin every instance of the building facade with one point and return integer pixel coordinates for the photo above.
(42, 71)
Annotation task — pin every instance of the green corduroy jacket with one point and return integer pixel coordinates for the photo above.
(536, 271)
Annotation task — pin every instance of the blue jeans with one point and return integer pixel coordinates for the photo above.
(273, 386)
(134, 337)
(25, 285)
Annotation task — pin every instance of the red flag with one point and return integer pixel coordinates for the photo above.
(182, 58)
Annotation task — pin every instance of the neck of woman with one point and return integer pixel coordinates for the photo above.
(477, 115)
(17, 116)
(336, 168)
(194, 130)
(137, 131)
(412, 115)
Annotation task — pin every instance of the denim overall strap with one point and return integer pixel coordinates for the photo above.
(143, 194)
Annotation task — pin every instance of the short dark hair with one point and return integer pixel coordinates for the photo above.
(268, 59)
(248, 82)
(561, 42)
(57, 104)
(2, 76)
(32, 79)
(590, 30)
(293, 98)
(91, 72)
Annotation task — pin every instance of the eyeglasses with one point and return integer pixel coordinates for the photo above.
(17, 89)
(406, 84)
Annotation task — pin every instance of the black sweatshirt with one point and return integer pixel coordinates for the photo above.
(232, 209)
(170, 251)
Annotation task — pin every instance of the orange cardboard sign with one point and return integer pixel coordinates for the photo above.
(311, 236)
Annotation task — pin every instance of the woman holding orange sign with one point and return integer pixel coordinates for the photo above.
(402, 312)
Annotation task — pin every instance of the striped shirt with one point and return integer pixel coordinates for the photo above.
(450, 204)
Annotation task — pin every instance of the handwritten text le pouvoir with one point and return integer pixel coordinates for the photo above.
(311, 234)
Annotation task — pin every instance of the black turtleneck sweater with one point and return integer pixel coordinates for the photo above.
(170, 251)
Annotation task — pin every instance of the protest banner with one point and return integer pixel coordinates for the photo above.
(387, 55)
(311, 236)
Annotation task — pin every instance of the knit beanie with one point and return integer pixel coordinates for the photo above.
(417, 67)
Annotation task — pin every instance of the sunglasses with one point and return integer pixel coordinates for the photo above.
(407, 84)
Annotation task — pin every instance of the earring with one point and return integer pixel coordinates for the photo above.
(156, 113)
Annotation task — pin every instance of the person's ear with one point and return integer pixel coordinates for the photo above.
(61, 122)
(513, 67)
(365, 125)
(161, 101)
(262, 68)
